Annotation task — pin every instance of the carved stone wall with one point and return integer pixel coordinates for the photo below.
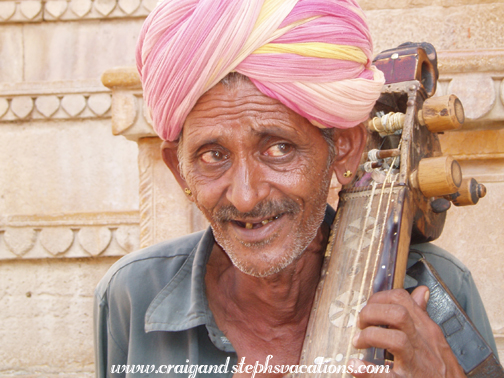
(74, 198)
(69, 200)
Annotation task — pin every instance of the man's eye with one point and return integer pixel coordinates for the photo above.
(279, 150)
(213, 157)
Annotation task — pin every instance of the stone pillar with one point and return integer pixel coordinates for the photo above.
(165, 212)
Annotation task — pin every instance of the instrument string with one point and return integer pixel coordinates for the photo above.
(384, 224)
(369, 207)
(371, 250)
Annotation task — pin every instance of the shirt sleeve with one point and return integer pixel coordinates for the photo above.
(100, 335)
(109, 356)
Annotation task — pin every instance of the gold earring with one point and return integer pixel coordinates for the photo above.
(188, 191)
(348, 173)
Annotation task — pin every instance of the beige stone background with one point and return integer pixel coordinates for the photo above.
(75, 193)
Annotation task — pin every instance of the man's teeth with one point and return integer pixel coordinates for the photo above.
(264, 222)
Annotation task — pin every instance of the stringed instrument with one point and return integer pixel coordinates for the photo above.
(399, 196)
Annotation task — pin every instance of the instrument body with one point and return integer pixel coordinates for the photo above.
(384, 210)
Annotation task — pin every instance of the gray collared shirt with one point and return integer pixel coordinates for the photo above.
(151, 309)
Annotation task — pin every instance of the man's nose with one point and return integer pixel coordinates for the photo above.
(247, 186)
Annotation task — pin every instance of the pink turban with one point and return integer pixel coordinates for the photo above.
(314, 56)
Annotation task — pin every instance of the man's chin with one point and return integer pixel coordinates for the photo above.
(260, 271)
(261, 259)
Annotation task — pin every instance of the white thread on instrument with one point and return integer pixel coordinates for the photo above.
(373, 155)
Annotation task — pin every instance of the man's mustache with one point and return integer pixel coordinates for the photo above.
(264, 209)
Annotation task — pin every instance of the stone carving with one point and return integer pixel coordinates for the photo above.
(94, 240)
(21, 106)
(129, 6)
(47, 105)
(7, 10)
(124, 108)
(73, 104)
(4, 106)
(21, 11)
(56, 8)
(146, 195)
(477, 93)
(501, 93)
(99, 103)
(104, 7)
(37, 10)
(71, 235)
(19, 240)
(59, 106)
(30, 8)
(56, 240)
(127, 237)
(149, 4)
(80, 7)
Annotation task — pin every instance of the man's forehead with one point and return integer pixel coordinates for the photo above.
(231, 98)
(242, 106)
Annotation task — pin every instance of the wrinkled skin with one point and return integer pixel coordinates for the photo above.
(260, 173)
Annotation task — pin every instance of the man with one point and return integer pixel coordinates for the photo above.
(258, 103)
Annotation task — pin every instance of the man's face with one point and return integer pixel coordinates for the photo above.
(259, 172)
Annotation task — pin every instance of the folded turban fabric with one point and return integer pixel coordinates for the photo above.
(314, 56)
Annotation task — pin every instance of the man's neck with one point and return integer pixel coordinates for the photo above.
(262, 311)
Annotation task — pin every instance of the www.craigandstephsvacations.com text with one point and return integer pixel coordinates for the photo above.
(191, 370)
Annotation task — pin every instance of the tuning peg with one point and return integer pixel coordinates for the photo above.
(442, 113)
(440, 205)
(437, 176)
(469, 193)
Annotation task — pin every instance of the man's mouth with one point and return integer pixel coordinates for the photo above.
(251, 225)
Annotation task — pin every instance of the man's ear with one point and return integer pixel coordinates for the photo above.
(169, 154)
(349, 144)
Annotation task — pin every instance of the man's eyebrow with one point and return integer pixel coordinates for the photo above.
(269, 126)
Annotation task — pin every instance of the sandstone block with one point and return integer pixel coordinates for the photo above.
(55, 51)
(47, 316)
(11, 52)
(475, 26)
(52, 167)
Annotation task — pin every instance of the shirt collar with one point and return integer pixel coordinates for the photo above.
(182, 303)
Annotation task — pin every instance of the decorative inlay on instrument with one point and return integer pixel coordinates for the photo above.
(400, 195)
